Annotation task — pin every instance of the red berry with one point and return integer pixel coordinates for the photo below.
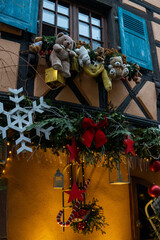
(41, 53)
(49, 52)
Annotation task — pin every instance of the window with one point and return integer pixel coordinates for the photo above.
(90, 30)
(56, 17)
(71, 18)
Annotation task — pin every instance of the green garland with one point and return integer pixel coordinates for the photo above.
(94, 221)
(67, 124)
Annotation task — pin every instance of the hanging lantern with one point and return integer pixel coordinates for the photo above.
(53, 78)
(120, 174)
(58, 179)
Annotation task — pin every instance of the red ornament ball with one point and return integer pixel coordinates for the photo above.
(154, 190)
(155, 166)
(41, 53)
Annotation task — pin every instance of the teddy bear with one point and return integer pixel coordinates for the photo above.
(134, 73)
(100, 54)
(83, 56)
(37, 45)
(117, 69)
(137, 76)
(61, 53)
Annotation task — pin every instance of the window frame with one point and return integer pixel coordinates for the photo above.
(55, 26)
(74, 21)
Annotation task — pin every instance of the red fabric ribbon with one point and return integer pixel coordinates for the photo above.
(77, 215)
(80, 214)
(93, 131)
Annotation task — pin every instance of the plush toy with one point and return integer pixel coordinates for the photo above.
(37, 45)
(100, 54)
(117, 69)
(83, 56)
(134, 73)
(62, 51)
(137, 76)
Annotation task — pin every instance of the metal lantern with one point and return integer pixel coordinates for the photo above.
(120, 174)
(58, 179)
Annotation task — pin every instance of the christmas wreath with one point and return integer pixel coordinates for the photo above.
(89, 218)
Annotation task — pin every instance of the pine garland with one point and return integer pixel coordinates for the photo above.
(67, 124)
(94, 221)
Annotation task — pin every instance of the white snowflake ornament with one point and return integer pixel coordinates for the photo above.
(20, 118)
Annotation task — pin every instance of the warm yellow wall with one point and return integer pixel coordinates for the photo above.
(33, 203)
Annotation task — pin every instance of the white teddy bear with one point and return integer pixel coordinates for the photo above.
(83, 56)
(117, 69)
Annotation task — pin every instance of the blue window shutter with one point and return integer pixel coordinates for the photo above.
(134, 39)
(21, 14)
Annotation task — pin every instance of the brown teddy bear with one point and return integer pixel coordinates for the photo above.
(62, 51)
(117, 69)
(138, 75)
(100, 54)
(37, 45)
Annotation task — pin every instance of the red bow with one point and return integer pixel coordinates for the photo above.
(93, 131)
(80, 214)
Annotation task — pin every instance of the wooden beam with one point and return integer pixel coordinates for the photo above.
(10, 29)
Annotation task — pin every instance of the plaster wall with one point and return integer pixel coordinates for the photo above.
(156, 31)
(134, 5)
(158, 55)
(33, 203)
(156, 15)
(9, 59)
(155, 3)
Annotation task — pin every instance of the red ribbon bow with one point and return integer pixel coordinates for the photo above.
(93, 131)
(80, 214)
